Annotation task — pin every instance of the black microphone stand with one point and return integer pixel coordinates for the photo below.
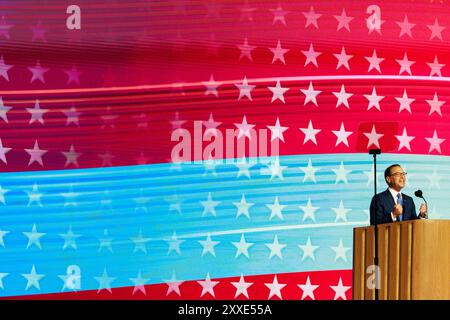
(374, 152)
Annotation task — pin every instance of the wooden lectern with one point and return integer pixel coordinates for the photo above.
(414, 260)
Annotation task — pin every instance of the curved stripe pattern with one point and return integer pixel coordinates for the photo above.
(150, 218)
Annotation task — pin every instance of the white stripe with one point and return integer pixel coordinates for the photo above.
(264, 229)
(201, 83)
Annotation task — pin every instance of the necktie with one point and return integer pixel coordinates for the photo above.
(400, 202)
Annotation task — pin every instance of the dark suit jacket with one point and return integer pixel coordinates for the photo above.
(385, 205)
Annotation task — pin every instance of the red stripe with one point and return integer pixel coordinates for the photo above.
(224, 290)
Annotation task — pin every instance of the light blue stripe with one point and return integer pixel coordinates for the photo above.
(125, 218)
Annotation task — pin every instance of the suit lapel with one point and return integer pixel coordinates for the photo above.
(390, 199)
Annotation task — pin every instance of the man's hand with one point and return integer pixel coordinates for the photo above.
(423, 210)
(398, 210)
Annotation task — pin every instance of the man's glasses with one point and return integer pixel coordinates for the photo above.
(399, 174)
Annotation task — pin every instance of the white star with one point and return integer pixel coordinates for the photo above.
(4, 68)
(2, 276)
(435, 106)
(210, 166)
(405, 64)
(244, 167)
(174, 244)
(208, 245)
(70, 197)
(308, 250)
(275, 288)
(244, 128)
(33, 279)
(435, 142)
(4, 110)
(309, 210)
(405, 27)
(308, 289)
(405, 102)
(310, 133)
(69, 239)
(276, 209)
(2, 234)
(278, 53)
(311, 17)
(278, 92)
(370, 175)
(374, 61)
(209, 206)
(340, 290)
(37, 113)
(139, 283)
(276, 170)
(34, 196)
(246, 50)
(241, 287)
(342, 135)
(341, 212)
(211, 86)
(311, 56)
(373, 137)
(211, 126)
(242, 247)
(245, 89)
(309, 172)
(141, 202)
(71, 156)
(341, 173)
(404, 140)
(105, 242)
(310, 94)
(242, 207)
(36, 154)
(343, 59)
(342, 97)
(175, 204)
(37, 72)
(278, 15)
(435, 67)
(436, 30)
(72, 116)
(341, 251)
(275, 248)
(343, 21)
(177, 123)
(173, 285)
(434, 180)
(104, 282)
(139, 242)
(33, 237)
(207, 286)
(276, 131)
(5, 150)
(374, 99)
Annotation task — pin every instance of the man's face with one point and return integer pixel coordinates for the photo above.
(397, 179)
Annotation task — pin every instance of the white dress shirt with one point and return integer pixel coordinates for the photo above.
(394, 194)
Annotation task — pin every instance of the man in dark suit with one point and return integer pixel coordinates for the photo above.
(391, 204)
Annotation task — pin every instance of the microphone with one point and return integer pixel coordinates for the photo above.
(374, 151)
(419, 194)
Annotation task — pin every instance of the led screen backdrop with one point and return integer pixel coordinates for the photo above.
(210, 149)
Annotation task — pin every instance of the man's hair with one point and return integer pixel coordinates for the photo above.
(387, 172)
